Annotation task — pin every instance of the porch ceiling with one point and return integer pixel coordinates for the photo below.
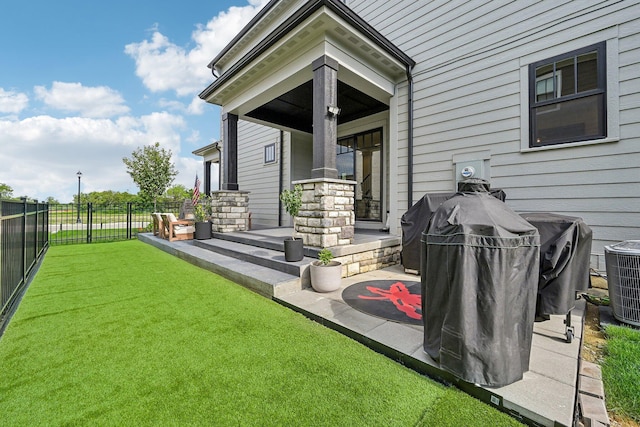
(294, 109)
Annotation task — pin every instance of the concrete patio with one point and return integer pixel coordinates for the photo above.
(547, 395)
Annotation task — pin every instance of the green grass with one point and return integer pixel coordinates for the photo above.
(621, 371)
(124, 334)
(80, 236)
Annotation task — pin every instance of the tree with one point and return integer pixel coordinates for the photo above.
(178, 193)
(6, 191)
(151, 169)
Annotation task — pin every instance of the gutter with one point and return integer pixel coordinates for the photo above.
(409, 137)
(280, 178)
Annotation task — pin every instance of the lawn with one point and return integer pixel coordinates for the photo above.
(621, 371)
(125, 334)
(80, 235)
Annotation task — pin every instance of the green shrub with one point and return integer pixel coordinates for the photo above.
(325, 256)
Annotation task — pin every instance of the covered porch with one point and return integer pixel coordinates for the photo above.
(330, 83)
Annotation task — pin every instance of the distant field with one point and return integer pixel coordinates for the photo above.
(107, 222)
(66, 217)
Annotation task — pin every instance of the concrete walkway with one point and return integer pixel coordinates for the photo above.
(545, 396)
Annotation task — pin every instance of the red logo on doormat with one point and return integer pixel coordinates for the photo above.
(400, 296)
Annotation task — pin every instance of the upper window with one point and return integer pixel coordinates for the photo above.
(567, 97)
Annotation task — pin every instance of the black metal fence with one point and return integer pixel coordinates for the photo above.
(93, 223)
(23, 241)
(28, 228)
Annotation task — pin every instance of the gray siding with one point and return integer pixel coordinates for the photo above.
(260, 179)
(468, 98)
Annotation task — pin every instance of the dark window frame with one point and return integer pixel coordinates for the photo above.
(354, 138)
(600, 90)
(270, 153)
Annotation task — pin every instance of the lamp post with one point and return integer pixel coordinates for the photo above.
(79, 174)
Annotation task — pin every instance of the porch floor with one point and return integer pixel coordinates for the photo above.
(545, 396)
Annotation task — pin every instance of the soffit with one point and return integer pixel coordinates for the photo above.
(208, 150)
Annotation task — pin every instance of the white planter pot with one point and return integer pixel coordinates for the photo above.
(326, 278)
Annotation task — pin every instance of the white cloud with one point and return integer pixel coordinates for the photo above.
(165, 66)
(194, 137)
(12, 102)
(197, 106)
(40, 155)
(97, 102)
(172, 104)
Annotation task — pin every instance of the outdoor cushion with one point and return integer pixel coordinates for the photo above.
(183, 229)
(178, 229)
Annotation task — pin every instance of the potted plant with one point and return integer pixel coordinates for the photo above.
(325, 273)
(292, 201)
(202, 213)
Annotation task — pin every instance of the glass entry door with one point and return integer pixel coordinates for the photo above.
(359, 158)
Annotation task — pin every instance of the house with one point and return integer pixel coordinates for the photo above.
(404, 98)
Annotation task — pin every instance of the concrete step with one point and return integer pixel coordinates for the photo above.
(262, 256)
(274, 243)
(261, 279)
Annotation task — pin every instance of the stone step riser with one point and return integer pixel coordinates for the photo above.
(264, 257)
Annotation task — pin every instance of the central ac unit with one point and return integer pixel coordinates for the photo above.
(623, 276)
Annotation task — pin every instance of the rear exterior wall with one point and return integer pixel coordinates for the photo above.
(471, 99)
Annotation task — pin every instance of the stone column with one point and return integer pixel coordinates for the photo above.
(230, 144)
(326, 218)
(325, 117)
(229, 211)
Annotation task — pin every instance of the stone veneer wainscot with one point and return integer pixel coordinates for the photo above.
(229, 211)
(326, 218)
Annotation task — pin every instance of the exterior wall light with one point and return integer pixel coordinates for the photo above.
(332, 110)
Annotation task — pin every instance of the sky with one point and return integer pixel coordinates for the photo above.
(85, 83)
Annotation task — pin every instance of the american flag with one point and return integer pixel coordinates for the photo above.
(196, 192)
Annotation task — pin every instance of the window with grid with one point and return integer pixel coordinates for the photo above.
(567, 97)
(270, 153)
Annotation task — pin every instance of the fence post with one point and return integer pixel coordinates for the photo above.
(1, 262)
(129, 221)
(24, 240)
(35, 237)
(89, 221)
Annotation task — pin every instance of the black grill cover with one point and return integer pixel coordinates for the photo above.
(413, 223)
(565, 248)
(479, 280)
(415, 220)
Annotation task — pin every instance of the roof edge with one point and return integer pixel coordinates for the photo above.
(299, 16)
(202, 150)
(243, 32)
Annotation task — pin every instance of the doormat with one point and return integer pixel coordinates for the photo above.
(396, 300)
